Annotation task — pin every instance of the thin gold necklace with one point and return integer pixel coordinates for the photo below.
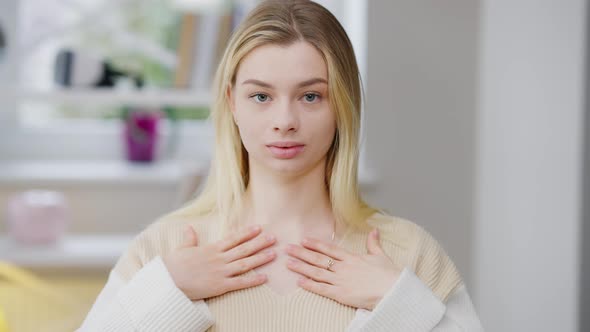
(334, 232)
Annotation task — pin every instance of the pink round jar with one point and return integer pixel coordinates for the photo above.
(37, 216)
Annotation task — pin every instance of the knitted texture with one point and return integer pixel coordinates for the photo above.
(261, 309)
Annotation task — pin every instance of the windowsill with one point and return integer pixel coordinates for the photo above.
(116, 172)
(105, 96)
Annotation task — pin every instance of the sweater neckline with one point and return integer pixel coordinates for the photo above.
(299, 290)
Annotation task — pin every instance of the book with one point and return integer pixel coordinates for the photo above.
(224, 34)
(205, 51)
(186, 50)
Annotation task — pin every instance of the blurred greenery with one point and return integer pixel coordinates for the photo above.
(109, 113)
(154, 20)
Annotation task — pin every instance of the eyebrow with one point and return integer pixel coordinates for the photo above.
(300, 85)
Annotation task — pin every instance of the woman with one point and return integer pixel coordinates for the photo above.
(280, 239)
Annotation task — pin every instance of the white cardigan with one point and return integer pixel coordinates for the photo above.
(408, 306)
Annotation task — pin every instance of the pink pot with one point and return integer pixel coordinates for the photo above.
(37, 216)
(141, 135)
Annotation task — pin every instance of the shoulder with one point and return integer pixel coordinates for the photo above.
(416, 248)
(159, 238)
(167, 233)
(398, 231)
(403, 232)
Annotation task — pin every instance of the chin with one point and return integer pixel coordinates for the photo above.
(288, 166)
(291, 167)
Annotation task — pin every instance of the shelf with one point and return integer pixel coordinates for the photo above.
(74, 251)
(115, 97)
(96, 172)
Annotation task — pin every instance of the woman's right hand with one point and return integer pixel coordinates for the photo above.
(201, 272)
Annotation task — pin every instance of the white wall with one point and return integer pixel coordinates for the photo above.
(474, 130)
(420, 116)
(529, 164)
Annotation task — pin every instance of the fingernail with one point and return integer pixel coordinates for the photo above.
(268, 252)
(255, 228)
(270, 237)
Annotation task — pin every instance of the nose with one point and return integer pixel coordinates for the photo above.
(285, 118)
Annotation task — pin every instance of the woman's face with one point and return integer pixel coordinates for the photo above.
(280, 105)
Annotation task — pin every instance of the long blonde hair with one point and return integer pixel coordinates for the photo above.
(284, 22)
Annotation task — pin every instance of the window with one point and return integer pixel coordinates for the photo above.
(69, 116)
(106, 55)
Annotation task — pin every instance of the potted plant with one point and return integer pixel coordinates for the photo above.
(141, 133)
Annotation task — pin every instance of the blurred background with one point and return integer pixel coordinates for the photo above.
(474, 127)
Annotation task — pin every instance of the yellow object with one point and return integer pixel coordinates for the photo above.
(55, 303)
(3, 326)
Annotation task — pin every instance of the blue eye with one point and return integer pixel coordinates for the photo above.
(260, 97)
(311, 97)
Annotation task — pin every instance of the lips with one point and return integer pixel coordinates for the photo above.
(285, 144)
(285, 150)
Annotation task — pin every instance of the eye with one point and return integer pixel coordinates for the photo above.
(311, 97)
(260, 97)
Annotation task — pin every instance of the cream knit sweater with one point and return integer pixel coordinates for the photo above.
(141, 296)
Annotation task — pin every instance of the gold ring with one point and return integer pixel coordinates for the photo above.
(330, 263)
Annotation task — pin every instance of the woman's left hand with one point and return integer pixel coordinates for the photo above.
(359, 281)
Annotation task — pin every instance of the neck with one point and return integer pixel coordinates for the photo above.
(300, 203)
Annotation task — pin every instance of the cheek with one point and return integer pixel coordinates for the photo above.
(330, 132)
(331, 124)
(325, 130)
(249, 127)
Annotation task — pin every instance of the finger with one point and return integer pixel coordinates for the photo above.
(373, 245)
(310, 271)
(320, 288)
(246, 264)
(190, 237)
(239, 237)
(249, 247)
(309, 256)
(327, 249)
(245, 281)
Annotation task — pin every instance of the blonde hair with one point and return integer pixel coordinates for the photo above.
(284, 22)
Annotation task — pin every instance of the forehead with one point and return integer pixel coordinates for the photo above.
(282, 65)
